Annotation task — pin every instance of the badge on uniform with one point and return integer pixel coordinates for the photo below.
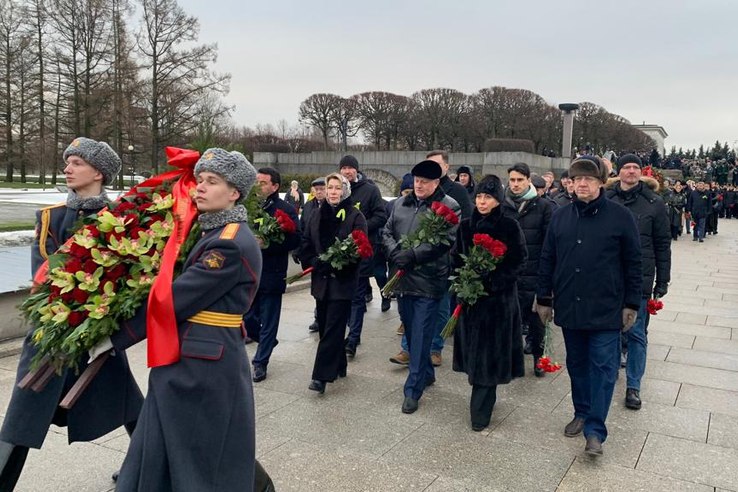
(214, 260)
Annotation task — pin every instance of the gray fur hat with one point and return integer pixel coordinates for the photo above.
(98, 155)
(231, 166)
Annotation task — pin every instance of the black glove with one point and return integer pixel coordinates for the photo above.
(393, 254)
(661, 289)
(405, 259)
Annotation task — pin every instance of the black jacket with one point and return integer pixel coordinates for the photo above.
(366, 196)
(488, 339)
(654, 228)
(533, 220)
(699, 204)
(274, 258)
(429, 276)
(591, 264)
(327, 224)
(458, 192)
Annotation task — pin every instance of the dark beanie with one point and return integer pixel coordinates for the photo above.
(565, 174)
(629, 159)
(491, 185)
(407, 182)
(465, 170)
(348, 161)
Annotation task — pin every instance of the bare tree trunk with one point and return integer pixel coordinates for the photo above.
(42, 112)
(57, 157)
(8, 113)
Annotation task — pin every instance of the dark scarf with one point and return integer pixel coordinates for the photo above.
(213, 220)
(331, 219)
(591, 208)
(76, 202)
(628, 195)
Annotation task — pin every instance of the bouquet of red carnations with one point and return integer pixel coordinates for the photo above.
(653, 306)
(352, 249)
(468, 283)
(434, 226)
(548, 361)
(272, 229)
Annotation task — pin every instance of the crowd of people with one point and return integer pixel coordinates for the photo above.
(601, 220)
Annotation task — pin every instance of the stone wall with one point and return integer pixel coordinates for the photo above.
(386, 166)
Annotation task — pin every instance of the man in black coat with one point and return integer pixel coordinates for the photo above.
(367, 198)
(262, 321)
(566, 195)
(113, 398)
(639, 195)
(590, 273)
(533, 213)
(699, 206)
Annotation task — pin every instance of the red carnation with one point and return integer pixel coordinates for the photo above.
(73, 265)
(89, 266)
(113, 234)
(79, 251)
(116, 272)
(94, 231)
(131, 221)
(285, 222)
(68, 298)
(76, 318)
(145, 206)
(80, 296)
(125, 206)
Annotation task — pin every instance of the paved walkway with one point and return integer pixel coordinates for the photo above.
(354, 438)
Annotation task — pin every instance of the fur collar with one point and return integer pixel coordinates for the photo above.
(213, 220)
(76, 202)
(647, 180)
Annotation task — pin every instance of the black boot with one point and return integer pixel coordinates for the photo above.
(633, 399)
(318, 386)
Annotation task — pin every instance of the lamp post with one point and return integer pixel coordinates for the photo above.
(133, 164)
(568, 109)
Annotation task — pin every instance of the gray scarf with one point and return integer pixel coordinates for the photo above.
(76, 202)
(214, 220)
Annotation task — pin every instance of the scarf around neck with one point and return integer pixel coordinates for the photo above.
(96, 202)
(213, 220)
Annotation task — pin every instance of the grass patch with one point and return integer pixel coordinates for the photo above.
(17, 226)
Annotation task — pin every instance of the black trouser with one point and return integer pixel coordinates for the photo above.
(675, 230)
(483, 400)
(12, 459)
(330, 359)
(536, 329)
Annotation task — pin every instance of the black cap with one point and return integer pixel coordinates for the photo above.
(318, 182)
(538, 182)
(348, 161)
(427, 169)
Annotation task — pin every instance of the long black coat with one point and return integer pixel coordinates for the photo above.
(591, 265)
(196, 431)
(365, 195)
(533, 220)
(327, 224)
(111, 400)
(488, 339)
(276, 255)
(653, 228)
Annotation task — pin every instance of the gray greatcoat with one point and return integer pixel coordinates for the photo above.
(196, 429)
(111, 400)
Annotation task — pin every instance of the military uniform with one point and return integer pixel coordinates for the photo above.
(111, 400)
(196, 429)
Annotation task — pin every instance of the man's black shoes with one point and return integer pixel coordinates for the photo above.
(633, 399)
(260, 374)
(410, 405)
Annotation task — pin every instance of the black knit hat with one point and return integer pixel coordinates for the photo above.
(465, 170)
(491, 185)
(629, 159)
(348, 161)
(427, 169)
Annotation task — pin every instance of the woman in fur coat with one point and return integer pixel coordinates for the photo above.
(488, 340)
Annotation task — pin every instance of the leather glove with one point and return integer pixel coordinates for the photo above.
(405, 259)
(99, 349)
(661, 289)
(629, 318)
(545, 313)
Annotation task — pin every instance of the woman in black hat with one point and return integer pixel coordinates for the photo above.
(488, 341)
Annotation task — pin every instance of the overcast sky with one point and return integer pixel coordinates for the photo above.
(672, 63)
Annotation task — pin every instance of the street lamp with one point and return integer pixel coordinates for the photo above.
(133, 164)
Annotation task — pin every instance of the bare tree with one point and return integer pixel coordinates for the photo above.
(9, 34)
(178, 76)
(318, 111)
